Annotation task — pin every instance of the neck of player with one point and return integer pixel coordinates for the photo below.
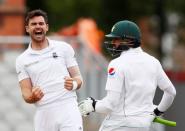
(39, 45)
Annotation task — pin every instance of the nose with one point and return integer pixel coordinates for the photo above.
(115, 41)
(37, 25)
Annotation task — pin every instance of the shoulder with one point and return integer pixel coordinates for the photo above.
(23, 56)
(60, 44)
(63, 48)
(115, 63)
(115, 69)
(151, 58)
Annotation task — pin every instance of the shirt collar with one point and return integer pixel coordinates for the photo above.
(45, 50)
(132, 50)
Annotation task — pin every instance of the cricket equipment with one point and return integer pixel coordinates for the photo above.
(75, 85)
(87, 106)
(126, 31)
(164, 121)
(157, 112)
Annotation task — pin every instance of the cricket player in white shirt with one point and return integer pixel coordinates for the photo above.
(133, 77)
(49, 76)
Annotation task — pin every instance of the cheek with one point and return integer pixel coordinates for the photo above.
(29, 30)
(116, 44)
(45, 28)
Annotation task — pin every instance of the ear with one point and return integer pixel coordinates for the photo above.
(27, 29)
(47, 27)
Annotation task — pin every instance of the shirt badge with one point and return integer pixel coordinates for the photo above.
(111, 71)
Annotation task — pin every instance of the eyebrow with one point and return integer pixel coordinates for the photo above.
(32, 23)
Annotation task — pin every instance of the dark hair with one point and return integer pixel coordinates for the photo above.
(37, 12)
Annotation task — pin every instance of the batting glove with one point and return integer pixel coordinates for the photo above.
(157, 112)
(87, 106)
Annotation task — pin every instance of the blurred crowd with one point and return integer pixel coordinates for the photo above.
(168, 47)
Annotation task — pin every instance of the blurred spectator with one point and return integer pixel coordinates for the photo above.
(178, 54)
(87, 30)
(150, 41)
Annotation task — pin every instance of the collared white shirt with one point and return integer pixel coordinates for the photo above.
(136, 75)
(47, 68)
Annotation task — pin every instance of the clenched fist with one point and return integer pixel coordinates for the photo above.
(70, 83)
(37, 93)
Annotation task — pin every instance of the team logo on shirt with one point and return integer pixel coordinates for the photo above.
(111, 71)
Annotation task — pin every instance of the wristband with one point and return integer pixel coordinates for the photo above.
(75, 85)
(94, 103)
(157, 112)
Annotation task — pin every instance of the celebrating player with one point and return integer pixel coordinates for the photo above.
(133, 77)
(49, 77)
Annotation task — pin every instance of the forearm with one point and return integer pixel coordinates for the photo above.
(29, 99)
(79, 81)
(76, 75)
(107, 104)
(32, 96)
(102, 108)
(167, 99)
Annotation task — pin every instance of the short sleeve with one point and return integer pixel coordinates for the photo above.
(70, 56)
(115, 77)
(21, 72)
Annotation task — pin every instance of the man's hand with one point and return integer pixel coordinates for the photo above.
(70, 83)
(37, 94)
(87, 106)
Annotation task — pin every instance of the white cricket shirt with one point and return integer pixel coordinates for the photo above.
(136, 75)
(47, 69)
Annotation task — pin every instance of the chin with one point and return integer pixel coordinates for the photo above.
(38, 40)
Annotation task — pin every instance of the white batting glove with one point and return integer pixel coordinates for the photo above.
(87, 106)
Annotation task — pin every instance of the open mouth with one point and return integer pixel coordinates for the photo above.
(38, 33)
